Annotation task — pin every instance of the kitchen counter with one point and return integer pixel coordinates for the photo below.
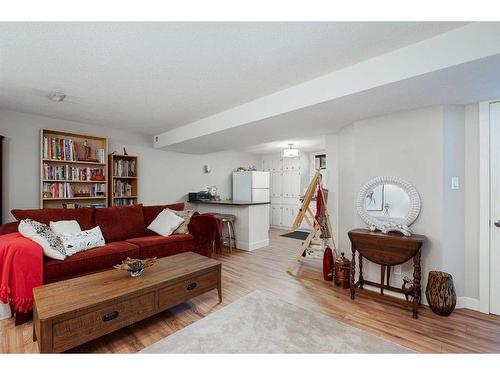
(229, 202)
(251, 223)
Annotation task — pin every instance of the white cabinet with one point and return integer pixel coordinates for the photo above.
(276, 185)
(276, 215)
(285, 188)
(283, 215)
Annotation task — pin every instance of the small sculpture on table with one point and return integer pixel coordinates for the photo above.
(135, 266)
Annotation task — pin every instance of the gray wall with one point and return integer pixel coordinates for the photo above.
(163, 176)
(424, 147)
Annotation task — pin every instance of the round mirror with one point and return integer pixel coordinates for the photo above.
(388, 204)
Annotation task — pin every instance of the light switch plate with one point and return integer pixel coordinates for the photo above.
(455, 184)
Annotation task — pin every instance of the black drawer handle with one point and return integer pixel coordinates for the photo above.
(110, 316)
(191, 286)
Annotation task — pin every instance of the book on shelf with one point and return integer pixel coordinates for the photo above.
(69, 173)
(124, 202)
(59, 149)
(122, 189)
(100, 154)
(69, 190)
(124, 168)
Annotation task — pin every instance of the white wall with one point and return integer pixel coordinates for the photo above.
(471, 188)
(425, 147)
(164, 177)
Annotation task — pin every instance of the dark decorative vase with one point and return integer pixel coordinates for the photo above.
(328, 265)
(440, 293)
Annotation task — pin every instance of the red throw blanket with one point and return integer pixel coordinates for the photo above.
(21, 266)
(206, 231)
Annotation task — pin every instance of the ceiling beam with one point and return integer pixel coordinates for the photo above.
(458, 46)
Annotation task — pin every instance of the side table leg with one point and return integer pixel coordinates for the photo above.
(353, 271)
(219, 285)
(416, 283)
(360, 258)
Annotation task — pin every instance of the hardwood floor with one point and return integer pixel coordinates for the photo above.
(265, 269)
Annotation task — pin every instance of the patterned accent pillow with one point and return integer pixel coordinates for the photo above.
(186, 215)
(44, 236)
(81, 241)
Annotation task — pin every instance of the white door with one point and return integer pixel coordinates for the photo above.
(495, 208)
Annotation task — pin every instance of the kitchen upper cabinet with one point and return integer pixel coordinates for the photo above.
(294, 183)
(276, 185)
(277, 164)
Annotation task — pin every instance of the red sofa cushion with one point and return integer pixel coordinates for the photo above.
(159, 246)
(120, 223)
(151, 212)
(89, 261)
(9, 228)
(84, 216)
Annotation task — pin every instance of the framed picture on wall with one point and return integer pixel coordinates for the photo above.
(375, 199)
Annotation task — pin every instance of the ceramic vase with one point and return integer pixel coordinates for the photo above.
(440, 293)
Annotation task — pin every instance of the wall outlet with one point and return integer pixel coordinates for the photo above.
(397, 269)
(455, 183)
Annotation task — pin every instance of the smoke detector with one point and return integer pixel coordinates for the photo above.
(57, 96)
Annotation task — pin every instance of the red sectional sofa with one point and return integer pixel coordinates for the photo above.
(126, 234)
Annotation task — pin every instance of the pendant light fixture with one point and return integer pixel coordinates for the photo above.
(291, 152)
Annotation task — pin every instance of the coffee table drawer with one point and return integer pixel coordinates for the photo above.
(103, 320)
(188, 288)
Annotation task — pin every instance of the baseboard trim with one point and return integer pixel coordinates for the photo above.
(467, 303)
(462, 302)
(252, 245)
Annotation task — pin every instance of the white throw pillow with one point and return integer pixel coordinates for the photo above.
(65, 226)
(83, 240)
(165, 223)
(186, 215)
(44, 236)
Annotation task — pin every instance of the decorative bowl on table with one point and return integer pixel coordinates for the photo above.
(135, 266)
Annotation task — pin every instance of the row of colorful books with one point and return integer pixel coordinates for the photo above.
(60, 149)
(124, 168)
(122, 189)
(68, 190)
(124, 202)
(67, 172)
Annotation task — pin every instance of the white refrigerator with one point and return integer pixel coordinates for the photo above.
(251, 186)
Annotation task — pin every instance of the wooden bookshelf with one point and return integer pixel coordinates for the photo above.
(122, 181)
(64, 173)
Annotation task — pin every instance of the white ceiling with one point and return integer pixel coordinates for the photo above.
(304, 144)
(471, 82)
(153, 77)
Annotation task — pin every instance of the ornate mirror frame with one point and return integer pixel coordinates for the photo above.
(386, 226)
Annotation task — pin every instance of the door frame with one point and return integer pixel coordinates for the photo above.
(484, 206)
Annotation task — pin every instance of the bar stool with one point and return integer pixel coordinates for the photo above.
(228, 220)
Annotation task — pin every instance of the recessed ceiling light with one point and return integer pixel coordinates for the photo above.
(57, 96)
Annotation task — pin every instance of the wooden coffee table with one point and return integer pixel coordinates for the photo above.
(71, 312)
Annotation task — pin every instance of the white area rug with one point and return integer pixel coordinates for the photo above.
(261, 323)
